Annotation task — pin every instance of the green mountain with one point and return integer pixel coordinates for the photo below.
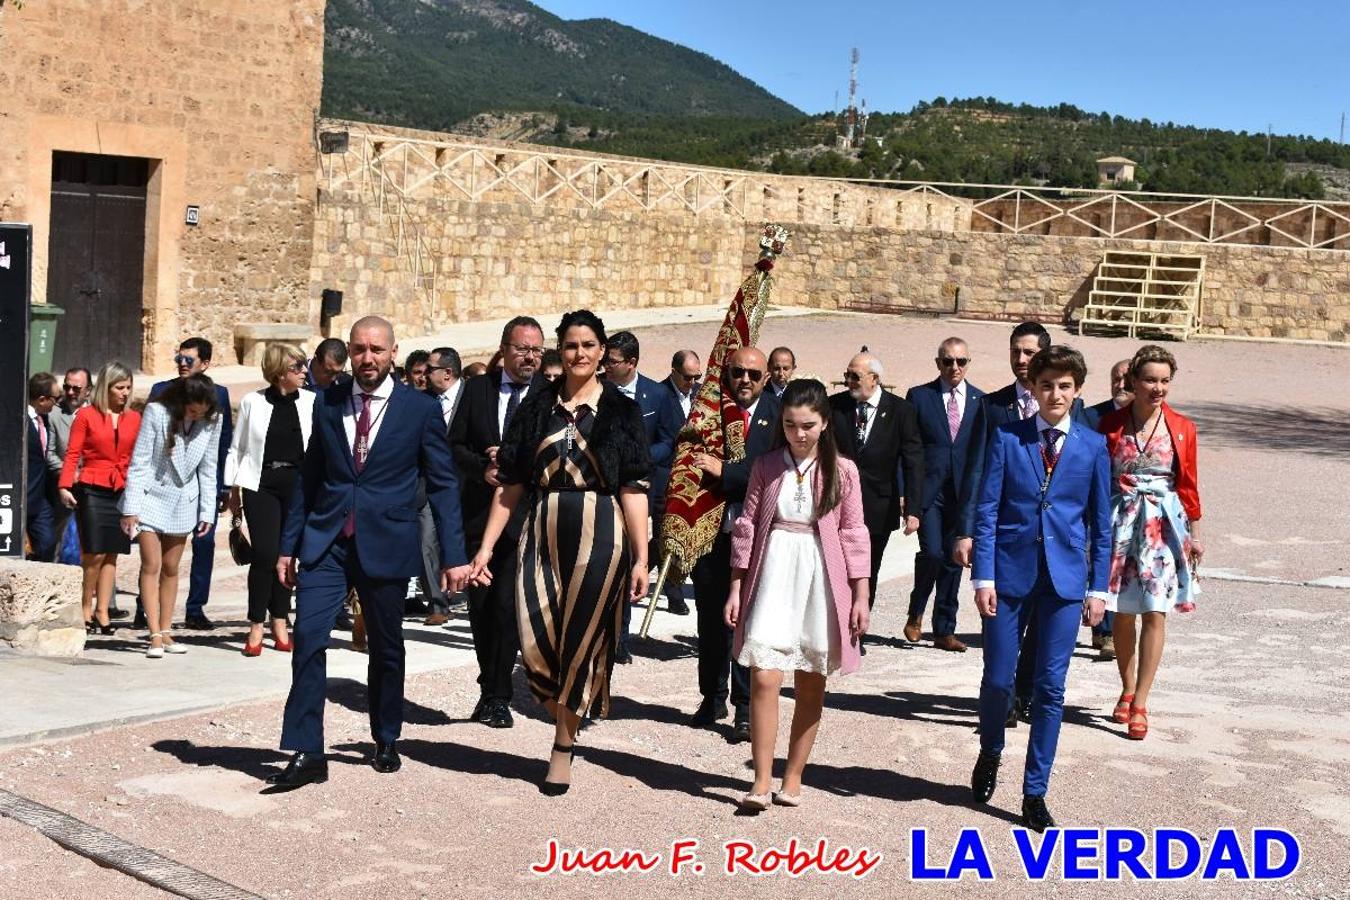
(434, 63)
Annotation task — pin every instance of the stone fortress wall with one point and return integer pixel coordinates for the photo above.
(435, 229)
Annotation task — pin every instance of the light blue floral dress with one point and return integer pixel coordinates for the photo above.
(1151, 535)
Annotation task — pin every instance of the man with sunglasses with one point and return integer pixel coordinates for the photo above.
(744, 378)
(880, 433)
(194, 358)
(444, 385)
(486, 407)
(686, 374)
(952, 427)
(74, 395)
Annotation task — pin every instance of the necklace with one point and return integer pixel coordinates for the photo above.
(1143, 459)
(799, 498)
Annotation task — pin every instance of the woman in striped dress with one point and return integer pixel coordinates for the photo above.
(578, 450)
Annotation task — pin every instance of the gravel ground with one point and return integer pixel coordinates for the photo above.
(1249, 716)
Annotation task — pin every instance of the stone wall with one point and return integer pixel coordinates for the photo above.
(221, 96)
(1250, 291)
(431, 229)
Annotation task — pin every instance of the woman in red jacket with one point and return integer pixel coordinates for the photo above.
(101, 440)
(1155, 505)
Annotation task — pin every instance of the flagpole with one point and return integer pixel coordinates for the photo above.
(656, 592)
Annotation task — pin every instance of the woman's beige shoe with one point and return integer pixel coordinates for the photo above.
(754, 802)
(153, 652)
(783, 798)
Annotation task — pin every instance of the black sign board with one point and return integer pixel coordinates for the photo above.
(16, 245)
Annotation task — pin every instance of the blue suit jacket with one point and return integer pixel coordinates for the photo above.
(410, 444)
(1071, 521)
(944, 460)
(1095, 413)
(226, 427)
(1000, 408)
(662, 421)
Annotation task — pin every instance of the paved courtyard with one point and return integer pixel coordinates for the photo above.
(1249, 718)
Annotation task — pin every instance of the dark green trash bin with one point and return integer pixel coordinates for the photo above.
(42, 319)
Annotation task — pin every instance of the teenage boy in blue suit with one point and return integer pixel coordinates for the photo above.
(1042, 535)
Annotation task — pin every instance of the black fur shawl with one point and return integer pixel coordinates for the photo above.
(618, 438)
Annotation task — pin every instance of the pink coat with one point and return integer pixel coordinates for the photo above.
(846, 547)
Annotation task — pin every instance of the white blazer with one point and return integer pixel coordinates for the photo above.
(243, 464)
(172, 491)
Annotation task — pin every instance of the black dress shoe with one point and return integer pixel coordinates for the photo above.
(740, 728)
(479, 708)
(984, 778)
(118, 613)
(1011, 720)
(198, 623)
(304, 768)
(1035, 816)
(387, 758)
(623, 657)
(343, 622)
(1022, 706)
(677, 607)
(139, 621)
(708, 712)
(498, 715)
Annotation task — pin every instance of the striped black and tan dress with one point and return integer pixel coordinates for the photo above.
(572, 577)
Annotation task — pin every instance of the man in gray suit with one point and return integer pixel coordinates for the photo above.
(446, 386)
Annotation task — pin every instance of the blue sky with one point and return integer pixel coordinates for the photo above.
(1240, 65)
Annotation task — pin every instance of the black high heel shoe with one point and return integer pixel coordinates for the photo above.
(554, 788)
(107, 630)
(88, 626)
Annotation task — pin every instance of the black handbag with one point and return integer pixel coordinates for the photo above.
(240, 549)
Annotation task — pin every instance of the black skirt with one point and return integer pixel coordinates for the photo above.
(99, 521)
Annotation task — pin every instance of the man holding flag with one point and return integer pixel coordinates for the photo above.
(744, 379)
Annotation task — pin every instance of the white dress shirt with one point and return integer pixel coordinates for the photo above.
(873, 403)
(1062, 427)
(629, 390)
(450, 399)
(379, 402)
(960, 392)
(504, 397)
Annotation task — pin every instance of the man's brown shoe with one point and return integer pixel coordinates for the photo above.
(950, 643)
(436, 618)
(913, 630)
(1108, 648)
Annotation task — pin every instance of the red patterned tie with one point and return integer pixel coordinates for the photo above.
(360, 449)
(953, 416)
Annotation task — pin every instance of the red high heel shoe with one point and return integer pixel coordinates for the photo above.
(1138, 730)
(1121, 713)
(283, 646)
(252, 649)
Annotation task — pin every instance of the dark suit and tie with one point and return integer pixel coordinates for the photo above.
(38, 514)
(485, 404)
(952, 427)
(353, 524)
(661, 420)
(712, 575)
(430, 579)
(884, 442)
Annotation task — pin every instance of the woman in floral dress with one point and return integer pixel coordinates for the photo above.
(1155, 505)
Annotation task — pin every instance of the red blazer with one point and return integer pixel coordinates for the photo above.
(1116, 425)
(101, 453)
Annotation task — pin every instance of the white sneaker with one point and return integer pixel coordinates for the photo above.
(175, 648)
(153, 652)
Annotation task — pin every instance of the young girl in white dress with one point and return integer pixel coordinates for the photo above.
(798, 600)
